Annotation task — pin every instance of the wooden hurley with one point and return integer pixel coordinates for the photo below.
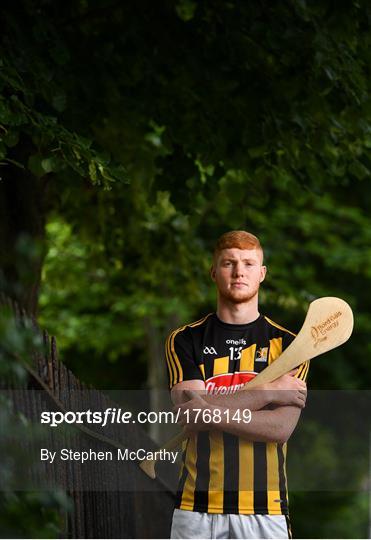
(328, 324)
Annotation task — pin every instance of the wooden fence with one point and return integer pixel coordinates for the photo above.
(114, 500)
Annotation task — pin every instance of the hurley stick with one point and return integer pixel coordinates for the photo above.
(328, 324)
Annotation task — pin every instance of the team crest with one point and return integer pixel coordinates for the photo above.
(261, 354)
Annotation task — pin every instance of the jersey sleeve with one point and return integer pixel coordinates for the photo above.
(304, 367)
(180, 358)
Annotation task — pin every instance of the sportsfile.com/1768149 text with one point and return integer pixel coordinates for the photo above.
(118, 416)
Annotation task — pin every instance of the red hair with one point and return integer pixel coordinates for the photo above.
(236, 239)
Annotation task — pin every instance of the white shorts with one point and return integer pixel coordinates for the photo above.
(187, 524)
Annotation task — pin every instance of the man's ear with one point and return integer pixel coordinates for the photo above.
(263, 273)
(212, 272)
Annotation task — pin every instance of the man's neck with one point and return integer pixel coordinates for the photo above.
(243, 313)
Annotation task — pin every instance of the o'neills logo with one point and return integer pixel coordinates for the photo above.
(319, 332)
(228, 383)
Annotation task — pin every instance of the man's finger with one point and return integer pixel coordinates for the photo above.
(190, 394)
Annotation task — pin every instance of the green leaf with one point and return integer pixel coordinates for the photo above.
(3, 151)
(11, 138)
(186, 9)
(257, 151)
(35, 165)
(93, 171)
(358, 170)
(59, 102)
(49, 164)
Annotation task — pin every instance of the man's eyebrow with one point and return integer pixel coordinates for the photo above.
(232, 259)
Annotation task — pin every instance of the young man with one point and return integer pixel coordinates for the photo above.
(233, 480)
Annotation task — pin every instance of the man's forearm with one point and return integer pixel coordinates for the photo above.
(243, 399)
(265, 426)
(286, 390)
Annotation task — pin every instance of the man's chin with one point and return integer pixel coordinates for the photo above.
(239, 298)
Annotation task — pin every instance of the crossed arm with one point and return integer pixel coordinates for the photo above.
(275, 407)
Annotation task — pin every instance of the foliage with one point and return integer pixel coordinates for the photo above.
(22, 513)
(31, 515)
(31, 100)
(329, 514)
(327, 484)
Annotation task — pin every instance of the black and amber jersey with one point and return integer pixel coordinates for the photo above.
(220, 472)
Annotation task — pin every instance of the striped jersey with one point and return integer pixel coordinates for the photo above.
(221, 472)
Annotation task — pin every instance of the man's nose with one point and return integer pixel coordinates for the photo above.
(238, 269)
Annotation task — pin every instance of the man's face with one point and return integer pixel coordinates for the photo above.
(238, 274)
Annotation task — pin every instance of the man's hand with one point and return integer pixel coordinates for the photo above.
(286, 390)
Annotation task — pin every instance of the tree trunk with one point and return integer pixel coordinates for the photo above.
(22, 234)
